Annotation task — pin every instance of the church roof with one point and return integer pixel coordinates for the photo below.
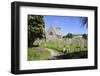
(51, 29)
(57, 30)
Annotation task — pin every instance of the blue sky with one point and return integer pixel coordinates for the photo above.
(68, 24)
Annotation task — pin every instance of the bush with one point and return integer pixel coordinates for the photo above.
(84, 36)
(69, 35)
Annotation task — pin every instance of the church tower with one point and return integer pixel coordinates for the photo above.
(58, 32)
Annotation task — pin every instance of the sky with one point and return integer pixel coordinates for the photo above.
(68, 24)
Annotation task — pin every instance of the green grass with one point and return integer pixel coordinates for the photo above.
(59, 45)
(52, 45)
(73, 50)
(37, 53)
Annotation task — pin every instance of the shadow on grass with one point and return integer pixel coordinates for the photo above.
(75, 55)
(33, 46)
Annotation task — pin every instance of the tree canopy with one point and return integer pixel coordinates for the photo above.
(35, 28)
(69, 35)
(84, 21)
(84, 36)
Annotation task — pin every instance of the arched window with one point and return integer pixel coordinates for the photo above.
(51, 33)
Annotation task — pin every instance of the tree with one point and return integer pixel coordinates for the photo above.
(35, 28)
(69, 35)
(84, 36)
(84, 21)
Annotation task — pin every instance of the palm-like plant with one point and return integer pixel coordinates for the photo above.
(84, 21)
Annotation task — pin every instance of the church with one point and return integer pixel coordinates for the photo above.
(54, 33)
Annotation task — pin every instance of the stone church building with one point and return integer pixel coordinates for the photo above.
(54, 33)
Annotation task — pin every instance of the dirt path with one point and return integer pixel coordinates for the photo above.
(53, 53)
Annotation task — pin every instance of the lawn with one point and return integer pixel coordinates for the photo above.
(37, 53)
(73, 50)
(59, 45)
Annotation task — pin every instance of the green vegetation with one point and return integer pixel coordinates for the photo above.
(37, 44)
(72, 50)
(84, 36)
(59, 45)
(69, 35)
(35, 28)
(37, 53)
(74, 55)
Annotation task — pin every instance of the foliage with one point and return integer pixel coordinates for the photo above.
(74, 55)
(72, 50)
(35, 28)
(59, 45)
(69, 35)
(84, 21)
(84, 36)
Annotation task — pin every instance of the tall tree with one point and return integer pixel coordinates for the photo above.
(35, 28)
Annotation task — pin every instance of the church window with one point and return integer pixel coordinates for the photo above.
(51, 33)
